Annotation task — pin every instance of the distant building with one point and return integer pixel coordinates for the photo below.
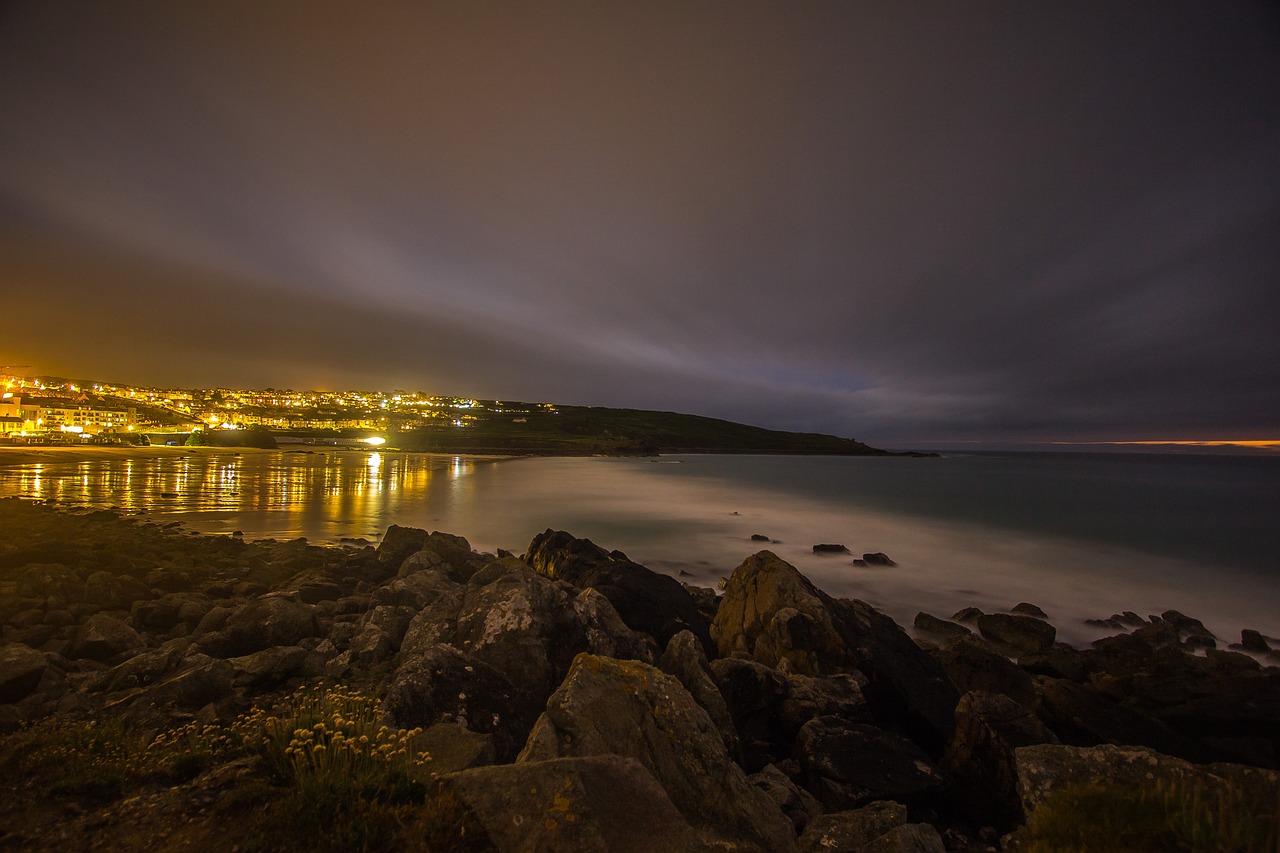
(48, 415)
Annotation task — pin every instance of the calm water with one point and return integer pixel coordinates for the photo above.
(1081, 535)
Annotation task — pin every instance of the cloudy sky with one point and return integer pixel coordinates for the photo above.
(903, 222)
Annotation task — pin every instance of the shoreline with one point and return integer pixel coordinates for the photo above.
(14, 456)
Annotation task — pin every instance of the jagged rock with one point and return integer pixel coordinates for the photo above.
(908, 838)
(878, 559)
(752, 693)
(830, 548)
(200, 681)
(973, 664)
(274, 665)
(1025, 609)
(1044, 769)
(796, 803)
(847, 765)
(967, 615)
(453, 747)
(417, 589)
(141, 670)
(647, 601)
(443, 685)
(1253, 641)
(594, 804)
(445, 553)
(1082, 716)
(685, 660)
(21, 668)
(775, 615)
(1025, 634)
(399, 542)
(989, 727)
(1185, 624)
(525, 626)
(269, 621)
(939, 629)
(852, 830)
(102, 637)
(628, 708)
(1061, 661)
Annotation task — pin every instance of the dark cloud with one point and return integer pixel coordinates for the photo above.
(904, 224)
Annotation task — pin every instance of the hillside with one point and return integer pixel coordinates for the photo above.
(589, 430)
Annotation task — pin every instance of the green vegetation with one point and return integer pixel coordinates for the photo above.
(329, 776)
(1186, 817)
(570, 430)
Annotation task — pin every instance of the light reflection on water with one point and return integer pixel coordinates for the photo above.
(675, 518)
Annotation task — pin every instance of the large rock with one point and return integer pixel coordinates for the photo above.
(847, 765)
(595, 804)
(773, 614)
(908, 838)
(399, 542)
(796, 803)
(684, 659)
(1044, 769)
(627, 708)
(989, 727)
(1082, 716)
(853, 829)
(269, 621)
(102, 637)
(646, 601)
(445, 553)
(973, 664)
(1023, 634)
(524, 626)
(20, 670)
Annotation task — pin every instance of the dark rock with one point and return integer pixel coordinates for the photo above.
(796, 803)
(453, 747)
(157, 614)
(141, 670)
(860, 563)
(271, 666)
(443, 685)
(113, 592)
(594, 804)
(939, 629)
(1025, 609)
(829, 548)
(847, 765)
(759, 537)
(684, 659)
(1081, 716)
(1044, 769)
(200, 681)
(20, 671)
(878, 559)
(269, 621)
(980, 759)
(399, 542)
(1061, 661)
(968, 615)
(908, 838)
(1185, 624)
(102, 637)
(1253, 641)
(417, 589)
(646, 601)
(773, 614)
(752, 692)
(852, 830)
(628, 708)
(1024, 634)
(973, 664)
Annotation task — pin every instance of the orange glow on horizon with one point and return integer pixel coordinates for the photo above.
(1261, 444)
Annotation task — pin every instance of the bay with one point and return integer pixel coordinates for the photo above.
(1081, 535)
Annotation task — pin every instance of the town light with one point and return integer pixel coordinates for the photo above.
(375, 441)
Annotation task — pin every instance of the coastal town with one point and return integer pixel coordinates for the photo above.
(49, 410)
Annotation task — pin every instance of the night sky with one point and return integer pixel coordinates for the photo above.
(903, 222)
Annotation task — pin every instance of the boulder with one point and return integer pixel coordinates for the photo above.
(399, 542)
(1082, 716)
(21, 668)
(417, 589)
(1023, 634)
(830, 548)
(853, 829)
(526, 627)
(443, 552)
(685, 661)
(274, 665)
(141, 670)
(752, 693)
(595, 804)
(908, 838)
(847, 765)
(942, 630)
(269, 621)
(773, 614)
(199, 681)
(444, 685)
(973, 664)
(1026, 609)
(989, 727)
(628, 708)
(796, 803)
(647, 601)
(878, 558)
(1253, 641)
(102, 637)
(1045, 768)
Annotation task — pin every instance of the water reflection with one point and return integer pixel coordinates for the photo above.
(324, 496)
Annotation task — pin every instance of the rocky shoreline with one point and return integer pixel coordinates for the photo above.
(570, 699)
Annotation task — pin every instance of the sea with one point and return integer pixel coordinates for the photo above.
(1081, 535)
